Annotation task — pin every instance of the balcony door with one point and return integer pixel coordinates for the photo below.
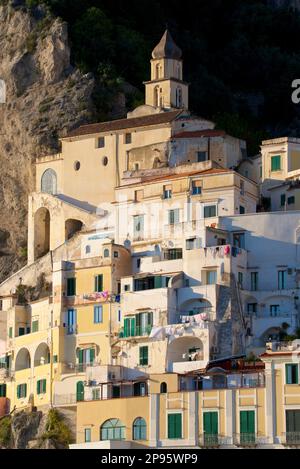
(292, 426)
(210, 428)
(247, 427)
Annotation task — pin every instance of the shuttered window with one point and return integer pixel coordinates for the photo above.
(41, 386)
(174, 426)
(3, 390)
(143, 356)
(247, 422)
(276, 163)
(174, 216)
(99, 283)
(35, 326)
(210, 211)
(71, 286)
(291, 373)
(98, 314)
(21, 391)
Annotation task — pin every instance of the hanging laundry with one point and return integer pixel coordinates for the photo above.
(227, 250)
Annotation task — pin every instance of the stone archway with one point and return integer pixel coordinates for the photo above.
(72, 226)
(41, 232)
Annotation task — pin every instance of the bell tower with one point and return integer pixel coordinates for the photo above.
(167, 90)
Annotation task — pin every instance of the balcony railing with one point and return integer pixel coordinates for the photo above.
(222, 381)
(276, 346)
(138, 331)
(245, 439)
(211, 440)
(72, 368)
(291, 438)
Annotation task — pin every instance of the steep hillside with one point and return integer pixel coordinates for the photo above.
(46, 96)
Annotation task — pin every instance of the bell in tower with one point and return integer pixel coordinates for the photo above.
(167, 90)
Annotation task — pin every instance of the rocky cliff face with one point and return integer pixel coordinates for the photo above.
(45, 97)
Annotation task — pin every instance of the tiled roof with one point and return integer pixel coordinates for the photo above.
(111, 126)
(201, 133)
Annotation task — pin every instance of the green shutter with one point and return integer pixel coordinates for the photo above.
(25, 390)
(35, 326)
(18, 391)
(276, 163)
(144, 356)
(38, 387)
(158, 282)
(98, 283)
(210, 423)
(80, 357)
(174, 426)
(3, 390)
(71, 286)
(44, 385)
(247, 421)
(126, 327)
(80, 391)
(92, 355)
(132, 327)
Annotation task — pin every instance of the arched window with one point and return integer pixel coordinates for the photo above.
(156, 96)
(49, 182)
(139, 429)
(179, 97)
(106, 253)
(157, 72)
(163, 388)
(112, 429)
(88, 249)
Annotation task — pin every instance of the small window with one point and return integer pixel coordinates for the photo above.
(196, 187)
(254, 281)
(55, 358)
(241, 280)
(99, 283)
(71, 286)
(116, 254)
(139, 429)
(35, 326)
(77, 165)
(128, 138)
(21, 391)
(126, 287)
(136, 167)
(282, 200)
(202, 156)
(88, 249)
(87, 435)
(144, 356)
(105, 161)
(239, 240)
(101, 142)
(291, 200)
(174, 216)
(274, 310)
(98, 314)
(41, 386)
(3, 390)
(21, 331)
(168, 192)
(242, 188)
(138, 263)
(282, 275)
(291, 373)
(276, 163)
(242, 210)
(10, 332)
(252, 307)
(210, 211)
(106, 253)
(211, 277)
(163, 388)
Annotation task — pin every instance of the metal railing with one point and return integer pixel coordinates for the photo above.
(245, 439)
(212, 440)
(291, 438)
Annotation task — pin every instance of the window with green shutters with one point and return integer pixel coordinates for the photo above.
(41, 386)
(144, 356)
(10, 332)
(291, 373)
(210, 427)
(247, 426)
(98, 283)
(35, 326)
(175, 426)
(174, 216)
(292, 426)
(3, 390)
(71, 286)
(276, 163)
(21, 391)
(21, 331)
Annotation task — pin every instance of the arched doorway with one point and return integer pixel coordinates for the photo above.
(23, 361)
(184, 349)
(72, 227)
(42, 355)
(41, 232)
(49, 182)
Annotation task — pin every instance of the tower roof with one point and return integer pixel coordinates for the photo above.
(167, 48)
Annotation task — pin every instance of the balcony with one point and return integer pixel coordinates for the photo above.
(223, 381)
(138, 331)
(214, 441)
(291, 439)
(91, 298)
(115, 390)
(283, 346)
(245, 440)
